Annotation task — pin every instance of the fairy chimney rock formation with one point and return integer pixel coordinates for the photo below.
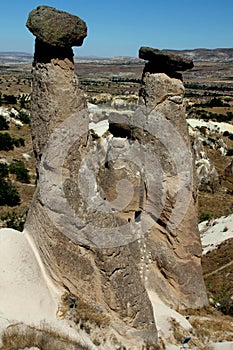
(56, 28)
(106, 278)
(161, 61)
(113, 253)
(175, 271)
(54, 77)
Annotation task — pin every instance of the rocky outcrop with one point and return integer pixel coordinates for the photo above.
(114, 215)
(53, 72)
(175, 250)
(228, 176)
(56, 28)
(102, 274)
(160, 61)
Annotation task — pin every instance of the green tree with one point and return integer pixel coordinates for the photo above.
(4, 171)
(4, 125)
(6, 142)
(22, 174)
(8, 194)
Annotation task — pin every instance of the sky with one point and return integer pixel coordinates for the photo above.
(121, 27)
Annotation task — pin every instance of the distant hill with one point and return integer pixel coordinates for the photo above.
(202, 55)
(15, 57)
(221, 55)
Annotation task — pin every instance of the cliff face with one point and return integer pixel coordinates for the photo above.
(114, 215)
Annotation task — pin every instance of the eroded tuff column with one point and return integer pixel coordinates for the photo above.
(175, 249)
(55, 87)
(107, 279)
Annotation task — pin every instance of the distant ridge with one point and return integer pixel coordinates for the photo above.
(15, 57)
(218, 55)
(202, 54)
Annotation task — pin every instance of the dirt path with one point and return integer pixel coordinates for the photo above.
(219, 269)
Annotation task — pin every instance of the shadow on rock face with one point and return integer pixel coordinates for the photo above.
(44, 53)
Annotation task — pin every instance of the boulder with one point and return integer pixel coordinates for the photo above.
(56, 28)
(162, 58)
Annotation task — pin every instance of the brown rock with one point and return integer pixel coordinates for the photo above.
(164, 60)
(56, 28)
(108, 278)
(175, 250)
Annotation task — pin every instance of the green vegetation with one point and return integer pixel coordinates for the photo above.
(214, 116)
(14, 220)
(7, 142)
(228, 134)
(4, 171)
(24, 118)
(4, 125)
(22, 174)
(204, 217)
(230, 152)
(8, 193)
(20, 336)
(197, 86)
(9, 99)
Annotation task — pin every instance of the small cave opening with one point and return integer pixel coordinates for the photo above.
(120, 130)
(137, 215)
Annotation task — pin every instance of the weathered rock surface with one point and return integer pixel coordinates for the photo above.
(175, 251)
(228, 176)
(160, 61)
(109, 279)
(56, 28)
(114, 216)
(164, 59)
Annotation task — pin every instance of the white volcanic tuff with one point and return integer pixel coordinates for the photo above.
(215, 231)
(211, 125)
(7, 113)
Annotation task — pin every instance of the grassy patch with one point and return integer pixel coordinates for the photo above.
(83, 313)
(20, 336)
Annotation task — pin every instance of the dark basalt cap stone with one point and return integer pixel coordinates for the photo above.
(56, 28)
(164, 59)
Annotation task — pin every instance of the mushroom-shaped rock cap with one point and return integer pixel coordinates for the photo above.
(165, 59)
(56, 28)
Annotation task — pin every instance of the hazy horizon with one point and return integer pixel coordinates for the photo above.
(121, 28)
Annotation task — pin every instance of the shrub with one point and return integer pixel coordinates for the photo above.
(7, 142)
(204, 217)
(20, 336)
(4, 125)
(15, 221)
(24, 118)
(10, 99)
(8, 194)
(230, 152)
(226, 306)
(226, 133)
(4, 171)
(22, 174)
(19, 142)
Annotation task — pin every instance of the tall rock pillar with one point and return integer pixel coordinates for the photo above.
(175, 272)
(105, 278)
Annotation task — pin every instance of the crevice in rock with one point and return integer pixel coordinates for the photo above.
(120, 130)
